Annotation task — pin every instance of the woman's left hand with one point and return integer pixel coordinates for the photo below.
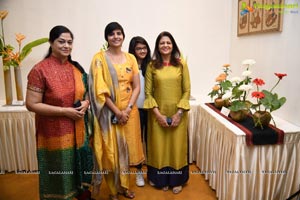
(175, 120)
(84, 106)
(124, 117)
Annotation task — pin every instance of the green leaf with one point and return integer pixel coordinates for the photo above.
(213, 93)
(226, 85)
(238, 105)
(271, 101)
(236, 93)
(28, 47)
(282, 100)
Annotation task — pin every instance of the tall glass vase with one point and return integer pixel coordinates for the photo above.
(8, 86)
(19, 85)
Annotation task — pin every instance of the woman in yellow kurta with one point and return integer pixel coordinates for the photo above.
(167, 88)
(114, 88)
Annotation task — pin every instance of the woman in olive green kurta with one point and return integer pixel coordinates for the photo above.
(167, 95)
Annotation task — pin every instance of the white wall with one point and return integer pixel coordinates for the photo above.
(204, 30)
(273, 52)
(201, 29)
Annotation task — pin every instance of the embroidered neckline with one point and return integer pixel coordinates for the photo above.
(166, 64)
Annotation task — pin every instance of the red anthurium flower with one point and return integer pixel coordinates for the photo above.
(280, 76)
(258, 82)
(258, 95)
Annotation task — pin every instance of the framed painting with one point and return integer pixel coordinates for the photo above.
(272, 17)
(259, 16)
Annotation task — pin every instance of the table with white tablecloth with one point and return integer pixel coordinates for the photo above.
(18, 143)
(17, 139)
(192, 128)
(234, 169)
(238, 171)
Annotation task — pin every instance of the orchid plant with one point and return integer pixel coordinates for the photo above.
(9, 57)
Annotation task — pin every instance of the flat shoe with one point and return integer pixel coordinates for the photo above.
(177, 189)
(139, 180)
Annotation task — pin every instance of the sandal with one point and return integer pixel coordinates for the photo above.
(166, 188)
(127, 194)
(113, 197)
(177, 189)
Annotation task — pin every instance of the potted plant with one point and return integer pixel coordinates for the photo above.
(239, 105)
(269, 100)
(221, 86)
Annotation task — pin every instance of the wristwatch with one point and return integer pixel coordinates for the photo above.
(180, 112)
(130, 106)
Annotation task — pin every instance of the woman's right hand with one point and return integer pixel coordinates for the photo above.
(123, 117)
(73, 113)
(161, 119)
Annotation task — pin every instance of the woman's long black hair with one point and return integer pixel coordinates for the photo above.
(133, 43)
(175, 54)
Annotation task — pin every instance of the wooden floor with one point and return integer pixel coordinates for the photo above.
(25, 186)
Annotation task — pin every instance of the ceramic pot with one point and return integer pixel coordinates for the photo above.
(219, 103)
(261, 119)
(239, 115)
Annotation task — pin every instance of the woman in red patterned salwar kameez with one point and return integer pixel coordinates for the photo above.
(63, 151)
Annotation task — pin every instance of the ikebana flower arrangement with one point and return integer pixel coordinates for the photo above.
(241, 88)
(221, 86)
(238, 93)
(11, 58)
(235, 93)
(269, 100)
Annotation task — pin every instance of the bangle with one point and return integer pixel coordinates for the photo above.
(61, 111)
